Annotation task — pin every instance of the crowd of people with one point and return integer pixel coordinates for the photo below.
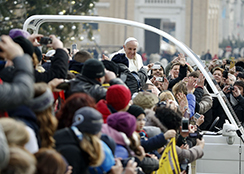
(63, 113)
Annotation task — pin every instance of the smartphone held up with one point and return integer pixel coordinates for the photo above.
(45, 40)
(185, 124)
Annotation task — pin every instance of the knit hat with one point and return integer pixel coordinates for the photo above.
(159, 63)
(136, 110)
(25, 44)
(88, 120)
(118, 96)
(93, 68)
(18, 32)
(123, 122)
(42, 102)
(145, 100)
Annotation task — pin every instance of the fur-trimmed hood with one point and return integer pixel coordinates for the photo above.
(152, 120)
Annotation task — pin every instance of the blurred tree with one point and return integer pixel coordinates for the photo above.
(13, 13)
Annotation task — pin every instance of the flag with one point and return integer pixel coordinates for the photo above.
(169, 163)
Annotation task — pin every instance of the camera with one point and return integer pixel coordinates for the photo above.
(185, 124)
(196, 115)
(156, 66)
(231, 88)
(196, 135)
(45, 40)
(74, 47)
(160, 79)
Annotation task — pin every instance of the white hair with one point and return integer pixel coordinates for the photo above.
(232, 76)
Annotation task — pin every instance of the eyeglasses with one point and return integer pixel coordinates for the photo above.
(140, 119)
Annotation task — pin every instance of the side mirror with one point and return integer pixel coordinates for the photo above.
(229, 131)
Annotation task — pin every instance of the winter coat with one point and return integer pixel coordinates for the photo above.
(121, 140)
(149, 165)
(134, 80)
(58, 69)
(191, 103)
(190, 154)
(204, 100)
(239, 107)
(68, 145)
(21, 89)
(26, 115)
(133, 64)
(182, 75)
(91, 87)
(75, 67)
(153, 121)
(154, 143)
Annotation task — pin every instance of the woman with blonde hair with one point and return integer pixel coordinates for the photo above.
(183, 92)
(80, 144)
(42, 105)
(166, 95)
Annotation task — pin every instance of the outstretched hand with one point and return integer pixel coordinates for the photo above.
(56, 43)
(169, 134)
(35, 38)
(10, 49)
(105, 57)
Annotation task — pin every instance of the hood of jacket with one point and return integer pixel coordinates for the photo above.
(118, 137)
(152, 120)
(103, 109)
(75, 67)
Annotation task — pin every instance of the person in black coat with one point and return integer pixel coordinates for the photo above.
(90, 81)
(178, 72)
(59, 63)
(134, 80)
(236, 99)
(80, 144)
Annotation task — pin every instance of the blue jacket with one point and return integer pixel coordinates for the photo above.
(153, 143)
(191, 103)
